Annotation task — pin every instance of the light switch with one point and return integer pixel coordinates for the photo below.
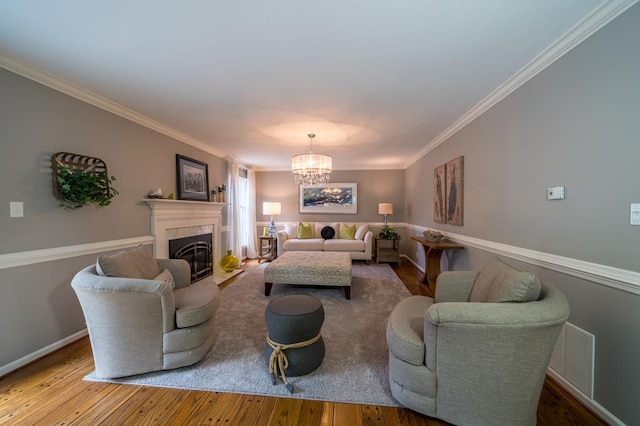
(555, 193)
(16, 209)
(635, 214)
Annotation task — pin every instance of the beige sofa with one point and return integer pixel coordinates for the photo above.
(360, 247)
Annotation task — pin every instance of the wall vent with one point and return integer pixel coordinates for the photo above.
(573, 358)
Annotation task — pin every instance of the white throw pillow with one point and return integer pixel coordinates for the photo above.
(291, 229)
(361, 231)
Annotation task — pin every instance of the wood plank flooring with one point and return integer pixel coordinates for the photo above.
(51, 391)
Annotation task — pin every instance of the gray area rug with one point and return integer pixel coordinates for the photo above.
(355, 367)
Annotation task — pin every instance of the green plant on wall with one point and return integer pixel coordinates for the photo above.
(79, 188)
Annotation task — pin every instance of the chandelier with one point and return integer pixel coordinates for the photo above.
(311, 168)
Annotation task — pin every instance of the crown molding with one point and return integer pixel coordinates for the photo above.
(73, 90)
(597, 19)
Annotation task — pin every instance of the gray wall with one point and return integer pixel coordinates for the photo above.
(37, 305)
(575, 124)
(374, 186)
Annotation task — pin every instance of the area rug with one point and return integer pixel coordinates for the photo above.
(355, 367)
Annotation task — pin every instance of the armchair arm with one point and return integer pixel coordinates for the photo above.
(281, 236)
(179, 269)
(455, 286)
(368, 243)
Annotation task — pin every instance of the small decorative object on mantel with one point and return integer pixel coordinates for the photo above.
(157, 194)
(432, 236)
(79, 180)
(217, 194)
(229, 262)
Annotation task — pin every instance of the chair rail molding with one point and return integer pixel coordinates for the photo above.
(620, 279)
(13, 260)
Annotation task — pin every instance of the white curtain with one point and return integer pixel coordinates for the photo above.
(233, 183)
(236, 204)
(252, 249)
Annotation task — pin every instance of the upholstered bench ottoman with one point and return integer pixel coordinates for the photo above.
(294, 343)
(319, 268)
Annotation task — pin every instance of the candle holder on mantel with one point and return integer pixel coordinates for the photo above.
(218, 194)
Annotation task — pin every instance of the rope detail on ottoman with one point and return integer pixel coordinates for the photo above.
(278, 361)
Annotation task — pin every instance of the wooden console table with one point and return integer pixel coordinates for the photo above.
(433, 253)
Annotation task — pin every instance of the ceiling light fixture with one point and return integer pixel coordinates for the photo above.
(311, 168)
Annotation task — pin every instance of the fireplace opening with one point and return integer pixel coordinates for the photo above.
(197, 251)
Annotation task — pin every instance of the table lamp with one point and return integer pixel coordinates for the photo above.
(385, 209)
(271, 208)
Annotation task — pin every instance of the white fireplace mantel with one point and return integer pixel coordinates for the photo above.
(175, 214)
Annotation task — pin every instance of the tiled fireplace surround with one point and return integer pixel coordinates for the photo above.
(172, 219)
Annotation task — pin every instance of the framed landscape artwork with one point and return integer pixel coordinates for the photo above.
(439, 193)
(454, 182)
(192, 179)
(329, 198)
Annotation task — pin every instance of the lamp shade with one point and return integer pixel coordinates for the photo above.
(271, 208)
(385, 208)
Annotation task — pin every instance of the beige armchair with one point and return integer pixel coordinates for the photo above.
(478, 353)
(148, 317)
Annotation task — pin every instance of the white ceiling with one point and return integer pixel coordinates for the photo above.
(378, 82)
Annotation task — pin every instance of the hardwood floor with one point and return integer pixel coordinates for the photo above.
(51, 391)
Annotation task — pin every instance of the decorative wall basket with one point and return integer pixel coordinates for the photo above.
(95, 187)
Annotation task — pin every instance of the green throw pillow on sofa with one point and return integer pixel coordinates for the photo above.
(304, 230)
(347, 232)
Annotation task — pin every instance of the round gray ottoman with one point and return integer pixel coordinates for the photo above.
(293, 324)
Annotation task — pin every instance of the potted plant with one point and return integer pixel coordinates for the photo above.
(389, 233)
(78, 188)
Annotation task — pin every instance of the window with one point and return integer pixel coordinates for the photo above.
(243, 209)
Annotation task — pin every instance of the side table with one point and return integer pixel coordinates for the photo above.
(387, 250)
(433, 253)
(267, 248)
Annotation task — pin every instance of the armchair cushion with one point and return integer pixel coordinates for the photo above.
(405, 329)
(498, 282)
(131, 263)
(196, 304)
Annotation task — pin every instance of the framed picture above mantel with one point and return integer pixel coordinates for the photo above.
(341, 198)
(192, 178)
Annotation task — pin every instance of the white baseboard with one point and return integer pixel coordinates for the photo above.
(588, 402)
(5, 369)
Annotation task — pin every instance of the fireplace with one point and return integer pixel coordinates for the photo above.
(197, 251)
(176, 219)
